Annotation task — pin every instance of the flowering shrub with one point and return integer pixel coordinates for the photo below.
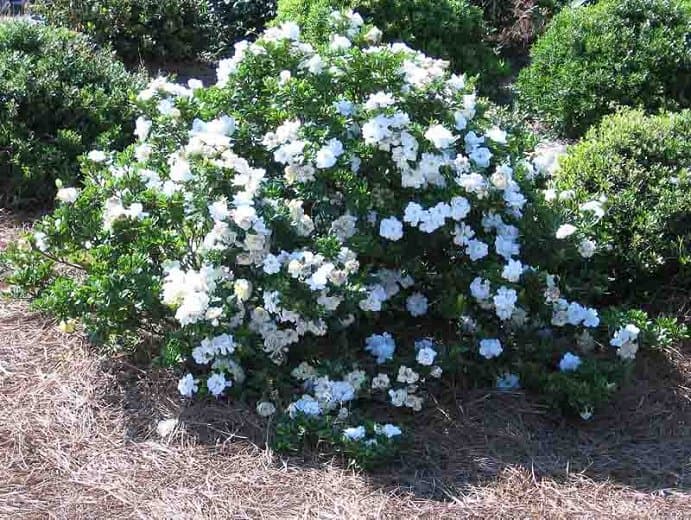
(59, 97)
(448, 29)
(614, 52)
(628, 184)
(322, 228)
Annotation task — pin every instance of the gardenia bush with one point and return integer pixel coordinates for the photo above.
(614, 52)
(324, 228)
(631, 176)
(59, 97)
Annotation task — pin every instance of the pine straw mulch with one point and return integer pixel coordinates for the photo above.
(78, 439)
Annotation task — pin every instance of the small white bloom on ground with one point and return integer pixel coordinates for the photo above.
(490, 348)
(569, 362)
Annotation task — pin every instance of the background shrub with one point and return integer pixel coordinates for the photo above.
(641, 164)
(623, 52)
(448, 29)
(136, 29)
(59, 97)
(161, 30)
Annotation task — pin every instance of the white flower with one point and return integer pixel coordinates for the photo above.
(407, 375)
(339, 43)
(188, 385)
(587, 248)
(381, 346)
(97, 156)
(388, 430)
(374, 35)
(565, 230)
(265, 408)
(504, 302)
(440, 137)
(306, 405)
(354, 434)
(594, 206)
(490, 348)
(480, 289)
(67, 195)
(496, 134)
(391, 228)
(398, 397)
(586, 413)
(381, 382)
(142, 128)
(217, 384)
(508, 381)
(416, 305)
(425, 356)
(569, 362)
(344, 107)
(476, 249)
(242, 289)
(512, 271)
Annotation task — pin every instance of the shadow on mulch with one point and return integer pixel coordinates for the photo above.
(641, 440)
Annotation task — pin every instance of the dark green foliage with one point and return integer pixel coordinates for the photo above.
(59, 97)
(623, 52)
(642, 165)
(449, 29)
(514, 24)
(160, 30)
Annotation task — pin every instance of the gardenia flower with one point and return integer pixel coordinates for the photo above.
(242, 289)
(354, 434)
(391, 228)
(265, 408)
(388, 430)
(67, 195)
(569, 362)
(626, 339)
(217, 383)
(425, 356)
(381, 382)
(496, 134)
(512, 271)
(307, 405)
(416, 305)
(594, 206)
(328, 154)
(476, 249)
(440, 137)
(339, 43)
(381, 346)
(504, 302)
(490, 348)
(565, 230)
(407, 375)
(508, 381)
(480, 289)
(188, 385)
(587, 248)
(142, 126)
(97, 156)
